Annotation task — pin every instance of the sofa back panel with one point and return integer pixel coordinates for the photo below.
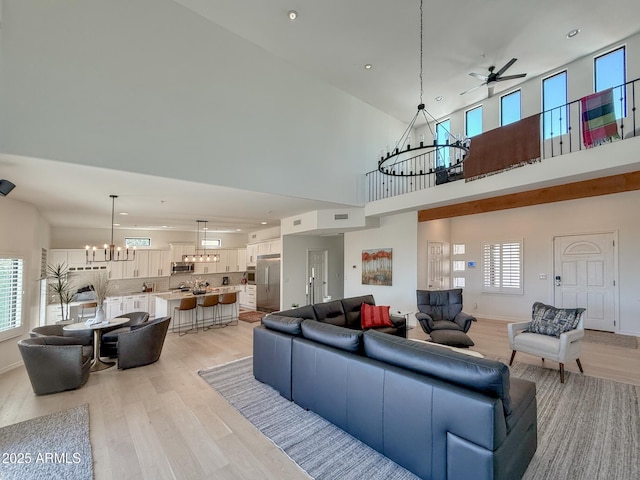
(332, 335)
(302, 312)
(352, 307)
(482, 375)
(284, 324)
(440, 304)
(330, 312)
(319, 380)
(272, 359)
(366, 402)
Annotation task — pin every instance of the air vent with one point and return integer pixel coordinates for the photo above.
(255, 235)
(341, 216)
(297, 222)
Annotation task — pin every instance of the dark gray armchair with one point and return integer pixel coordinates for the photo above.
(57, 331)
(442, 310)
(143, 344)
(55, 364)
(109, 345)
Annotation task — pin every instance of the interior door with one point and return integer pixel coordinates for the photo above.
(317, 268)
(584, 272)
(435, 260)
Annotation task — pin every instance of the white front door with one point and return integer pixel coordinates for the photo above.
(584, 276)
(318, 275)
(435, 260)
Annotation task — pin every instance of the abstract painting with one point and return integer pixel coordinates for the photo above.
(377, 266)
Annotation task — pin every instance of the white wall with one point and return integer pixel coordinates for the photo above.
(536, 226)
(399, 232)
(24, 233)
(294, 266)
(156, 88)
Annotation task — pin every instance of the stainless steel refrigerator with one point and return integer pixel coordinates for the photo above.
(268, 283)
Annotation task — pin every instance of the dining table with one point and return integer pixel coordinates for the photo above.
(97, 364)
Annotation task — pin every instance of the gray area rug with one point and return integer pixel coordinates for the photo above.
(54, 446)
(588, 428)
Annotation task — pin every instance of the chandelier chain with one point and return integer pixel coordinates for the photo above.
(421, 54)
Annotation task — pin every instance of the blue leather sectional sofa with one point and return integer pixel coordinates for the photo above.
(438, 413)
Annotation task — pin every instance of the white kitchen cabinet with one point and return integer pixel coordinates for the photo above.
(115, 271)
(251, 297)
(129, 304)
(113, 307)
(252, 254)
(270, 247)
(242, 260)
(204, 268)
(151, 308)
(159, 263)
(140, 303)
(178, 250)
(138, 267)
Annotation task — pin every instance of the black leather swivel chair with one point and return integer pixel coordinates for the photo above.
(55, 364)
(109, 346)
(143, 344)
(442, 310)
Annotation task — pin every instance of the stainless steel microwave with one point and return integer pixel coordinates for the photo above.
(181, 267)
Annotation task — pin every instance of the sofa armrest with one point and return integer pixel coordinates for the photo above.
(464, 320)
(568, 338)
(425, 320)
(514, 328)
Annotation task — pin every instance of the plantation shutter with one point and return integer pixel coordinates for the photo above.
(502, 267)
(10, 293)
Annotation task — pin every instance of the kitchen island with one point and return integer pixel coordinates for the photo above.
(166, 302)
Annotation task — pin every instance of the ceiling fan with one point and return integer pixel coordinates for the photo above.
(494, 77)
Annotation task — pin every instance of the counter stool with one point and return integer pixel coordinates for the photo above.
(210, 301)
(187, 305)
(232, 300)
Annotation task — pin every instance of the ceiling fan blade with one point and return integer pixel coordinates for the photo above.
(504, 69)
(479, 77)
(511, 77)
(473, 88)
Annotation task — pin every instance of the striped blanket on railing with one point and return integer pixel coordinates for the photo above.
(598, 118)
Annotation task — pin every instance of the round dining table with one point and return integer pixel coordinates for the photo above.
(97, 364)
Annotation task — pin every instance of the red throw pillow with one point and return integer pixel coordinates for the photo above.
(374, 316)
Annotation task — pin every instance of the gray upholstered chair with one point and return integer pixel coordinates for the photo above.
(57, 331)
(442, 310)
(55, 364)
(563, 348)
(109, 344)
(143, 344)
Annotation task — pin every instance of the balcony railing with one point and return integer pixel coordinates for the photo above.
(567, 138)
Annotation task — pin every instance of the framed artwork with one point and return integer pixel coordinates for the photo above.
(377, 266)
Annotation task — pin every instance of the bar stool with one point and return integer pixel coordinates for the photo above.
(186, 305)
(210, 301)
(230, 299)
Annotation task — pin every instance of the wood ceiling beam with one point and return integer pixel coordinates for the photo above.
(625, 182)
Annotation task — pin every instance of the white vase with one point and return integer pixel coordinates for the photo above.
(99, 314)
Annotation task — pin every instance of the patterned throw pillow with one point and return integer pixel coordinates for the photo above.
(548, 320)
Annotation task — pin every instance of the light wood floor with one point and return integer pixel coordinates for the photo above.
(163, 421)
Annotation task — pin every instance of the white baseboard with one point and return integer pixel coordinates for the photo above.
(11, 367)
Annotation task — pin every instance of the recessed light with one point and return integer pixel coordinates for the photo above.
(238, 229)
(124, 213)
(292, 14)
(263, 223)
(116, 224)
(573, 33)
(368, 66)
(439, 98)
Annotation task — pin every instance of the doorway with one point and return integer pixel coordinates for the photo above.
(435, 270)
(317, 273)
(585, 276)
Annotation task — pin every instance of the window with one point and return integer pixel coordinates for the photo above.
(458, 248)
(137, 242)
(211, 243)
(459, 265)
(458, 282)
(473, 121)
(554, 105)
(609, 71)
(502, 267)
(10, 297)
(442, 136)
(510, 108)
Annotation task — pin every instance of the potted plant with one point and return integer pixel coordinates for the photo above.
(101, 288)
(60, 286)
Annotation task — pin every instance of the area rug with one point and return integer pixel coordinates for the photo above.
(587, 428)
(54, 446)
(251, 316)
(612, 339)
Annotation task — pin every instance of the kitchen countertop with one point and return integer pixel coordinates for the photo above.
(178, 295)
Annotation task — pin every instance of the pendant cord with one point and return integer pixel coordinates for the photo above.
(421, 88)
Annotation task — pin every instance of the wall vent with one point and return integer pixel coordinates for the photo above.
(254, 235)
(341, 216)
(297, 222)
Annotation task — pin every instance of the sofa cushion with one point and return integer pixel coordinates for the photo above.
(352, 309)
(332, 335)
(375, 316)
(454, 338)
(283, 324)
(302, 312)
(548, 320)
(331, 312)
(480, 374)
